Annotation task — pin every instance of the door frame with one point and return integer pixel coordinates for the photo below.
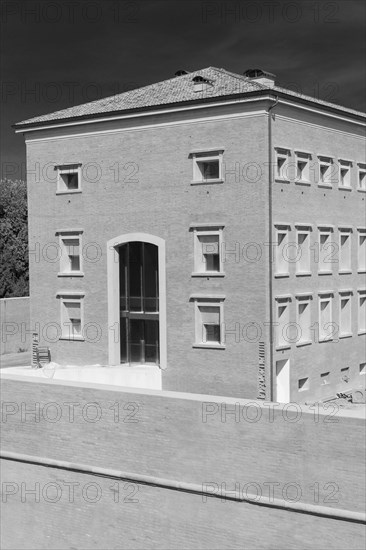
(114, 350)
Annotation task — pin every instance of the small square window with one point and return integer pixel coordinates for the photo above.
(69, 178)
(207, 167)
(208, 320)
(325, 170)
(303, 384)
(71, 317)
(208, 251)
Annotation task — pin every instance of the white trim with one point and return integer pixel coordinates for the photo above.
(114, 351)
(198, 325)
(67, 297)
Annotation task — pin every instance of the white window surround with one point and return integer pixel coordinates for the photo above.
(207, 166)
(282, 322)
(327, 250)
(283, 155)
(361, 250)
(303, 318)
(211, 309)
(325, 316)
(325, 171)
(66, 240)
(302, 167)
(344, 174)
(361, 181)
(203, 248)
(345, 313)
(71, 303)
(64, 170)
(361, 312)
(345, 250)
(303, 238)
(281, 250)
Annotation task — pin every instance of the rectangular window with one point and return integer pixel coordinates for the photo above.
(303, 384)
(282, 265)
(303, 250)
(209, 322)
(361, 252)
(71, 316)
(325, 378)
(362, 177)
(282, 164)
(207, 251)
(282, 322)
(70, 260)
(207, 167)
(303, 167)
(345, 250)
(69, 178)
(325, 170)
(345, 314)
(303, 320)
(345, 173)
(362, 312)
(362, 368)
(326, 250)
(326, 328)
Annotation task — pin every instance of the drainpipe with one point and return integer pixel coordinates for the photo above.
(270, 270)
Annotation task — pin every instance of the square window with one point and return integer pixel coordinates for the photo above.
(71, 317)
(303, 167)
(207, 251)
(283, 322)
(209, 320)
(303, 384)
(345, 173)
(70, 259)
(207, 167)
(361, 252)
(282, 164)
(68, 178)
(345, 318)
(303, 319)
(362, 177)
(326, 328)
(344, 250)
(325, 170)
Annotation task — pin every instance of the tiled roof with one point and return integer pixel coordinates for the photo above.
(175, 90)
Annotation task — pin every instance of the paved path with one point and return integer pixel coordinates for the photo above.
(15, 359)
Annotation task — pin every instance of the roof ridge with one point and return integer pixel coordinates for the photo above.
(242, 78)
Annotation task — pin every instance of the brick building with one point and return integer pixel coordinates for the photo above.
(203, 234)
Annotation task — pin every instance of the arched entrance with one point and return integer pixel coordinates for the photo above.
(137, 300)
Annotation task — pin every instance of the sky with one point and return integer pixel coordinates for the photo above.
(60, 53)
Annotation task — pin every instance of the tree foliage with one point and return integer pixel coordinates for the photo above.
(14, 279)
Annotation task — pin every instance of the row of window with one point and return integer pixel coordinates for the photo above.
(326, 251)
(303, 384)
(301, 168)
(298, 327)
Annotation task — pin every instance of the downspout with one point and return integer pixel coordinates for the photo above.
(270, 268)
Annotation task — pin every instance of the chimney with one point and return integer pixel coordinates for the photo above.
(262, 77)
(200, 84)
(181, 72)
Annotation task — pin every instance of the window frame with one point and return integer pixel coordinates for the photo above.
(301, 156)
(303, 229)
(361, 312)
(280, 340)
(207, 155)
(345, 294)
(325, 229)
(71, 168)
(208, 301)
(281, 228)
(343, 164)
(77, 297)
(361, 170)
(342, 231)
(326, 296)
(301, 299)
(325, 160)
(283, 175)
(70, 234)
(361, 250)
(207, 230)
